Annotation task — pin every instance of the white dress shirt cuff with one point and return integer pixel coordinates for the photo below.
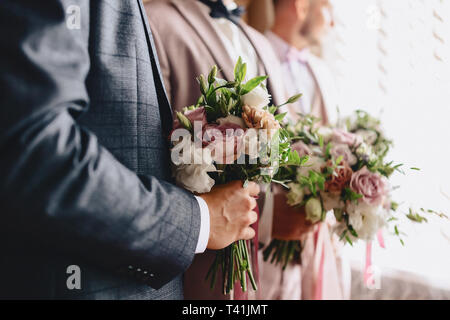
(204, 226)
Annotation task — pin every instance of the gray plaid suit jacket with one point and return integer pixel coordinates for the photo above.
(84, 160)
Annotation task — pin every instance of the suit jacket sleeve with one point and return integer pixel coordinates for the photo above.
(58, 186)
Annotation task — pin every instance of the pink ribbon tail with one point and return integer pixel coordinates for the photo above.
(368, 267)
(381, 239)
(368, 280)
(318, 292)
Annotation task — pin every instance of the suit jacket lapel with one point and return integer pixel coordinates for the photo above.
(165, 109)
(195, 15)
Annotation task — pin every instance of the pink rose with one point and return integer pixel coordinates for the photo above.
(344, 151)
(301, 148)
(371, 186)
(225, 141)
(198, 114)
(345, 137)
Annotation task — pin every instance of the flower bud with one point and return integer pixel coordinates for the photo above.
(313, 210)
(295, 195)
(212, 75)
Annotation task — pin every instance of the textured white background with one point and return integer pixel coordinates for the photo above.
(392, 58)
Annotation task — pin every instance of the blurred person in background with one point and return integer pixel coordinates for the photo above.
(191, 36)
(296, 36)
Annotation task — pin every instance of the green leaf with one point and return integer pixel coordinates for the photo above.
(272, 109)
(416, 217)
(237, 68)
(252, 84)
(394, 206)
(348, 240)
(240, 70)
(350, 195)
(352, 231)
(416, 169)
(279, 117)
(242, 73)
(321, 141)
(328, 150)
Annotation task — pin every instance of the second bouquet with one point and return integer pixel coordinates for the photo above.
(230, 134)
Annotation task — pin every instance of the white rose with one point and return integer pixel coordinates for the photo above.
(295, 195)
(366, 220)
(194, 177)
(344, 151)
(257, 98)
(326, 133)
(313, 210)
(193, 173)
(365, 152)
(231, 119)
(185, 152)
(369, 136)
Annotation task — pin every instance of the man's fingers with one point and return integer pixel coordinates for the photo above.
(253, 189)
(248, 234)
(252, 217)
(252, 203)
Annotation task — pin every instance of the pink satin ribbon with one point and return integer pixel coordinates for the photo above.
(368, 280)
(318, 292)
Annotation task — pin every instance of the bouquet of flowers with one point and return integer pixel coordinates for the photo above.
(346, 173)
(230, 134)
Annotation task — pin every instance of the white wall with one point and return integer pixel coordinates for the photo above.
(393, 58)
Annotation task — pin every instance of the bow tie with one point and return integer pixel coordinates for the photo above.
(219, 10)
(297, 55)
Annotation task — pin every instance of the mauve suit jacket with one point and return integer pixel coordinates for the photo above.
(188, 44)
(84, 160)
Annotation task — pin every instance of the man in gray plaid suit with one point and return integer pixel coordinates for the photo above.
(87, 207)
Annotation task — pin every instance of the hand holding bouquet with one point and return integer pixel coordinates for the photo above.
(231, 134)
